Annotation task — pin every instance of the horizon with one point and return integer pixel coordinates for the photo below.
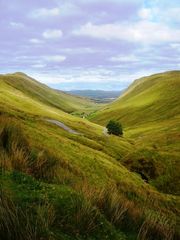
(56, 87)
(89, 45)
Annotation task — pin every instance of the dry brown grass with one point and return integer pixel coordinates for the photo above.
(146, 218)
(16, 154)
(157, 226)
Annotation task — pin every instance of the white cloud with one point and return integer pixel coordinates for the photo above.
(145, 13)
(95, 76)
(142, 32)
(45, 12)
(156, 13)
(16, 24)
(55, 58)
(35, 41)
(79, 50)
(175, 46)
(68, 8)
(124, 58)
(171, 14)
(52, 34)
(39, 65)
(41, 60)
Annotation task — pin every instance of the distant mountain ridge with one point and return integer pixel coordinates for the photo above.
(97, 95)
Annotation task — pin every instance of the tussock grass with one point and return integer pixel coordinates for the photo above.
(44, 165)
(157, 226)
(84, 217)
(17, 155)
(24, 224)
(144, 219)
(14, 147)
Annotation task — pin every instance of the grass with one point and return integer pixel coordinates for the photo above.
(77, 185)
(86, 210)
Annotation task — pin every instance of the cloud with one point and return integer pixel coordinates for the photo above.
(175, 46)
(41, 60)
(124, 58)
(55, 58)
(68, 8)
(52, 34)
(159, 14)
(122, 36)
(145, 13)
(141, 32)
(171, 14)
(45, 12)
(16, 24)
(80, 79)
(35, 41)
(38, 65)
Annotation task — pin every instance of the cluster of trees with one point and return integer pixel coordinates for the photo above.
(115, 128)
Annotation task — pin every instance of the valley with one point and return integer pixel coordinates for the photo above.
(72, 180)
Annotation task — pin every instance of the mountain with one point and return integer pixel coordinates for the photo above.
(63, 177)
(150, 114)
(97, 95)
(148, 99)
(38, 91)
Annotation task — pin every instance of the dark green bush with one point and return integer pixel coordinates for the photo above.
(114, 128)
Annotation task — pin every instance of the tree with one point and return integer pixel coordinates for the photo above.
(114, 128)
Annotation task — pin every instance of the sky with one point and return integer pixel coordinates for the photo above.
(89, 44)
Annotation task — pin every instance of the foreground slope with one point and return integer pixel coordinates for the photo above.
(66, 186)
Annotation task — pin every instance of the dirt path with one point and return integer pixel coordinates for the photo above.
(63, 126)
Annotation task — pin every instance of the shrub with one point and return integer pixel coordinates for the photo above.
(115, 128)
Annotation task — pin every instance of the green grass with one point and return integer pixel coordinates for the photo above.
(74, 186)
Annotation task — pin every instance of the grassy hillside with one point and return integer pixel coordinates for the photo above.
(57, 185)
(154, 98)
(37, 91)
(150, 114)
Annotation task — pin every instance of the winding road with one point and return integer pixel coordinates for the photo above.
(63, 126)
(70, 130)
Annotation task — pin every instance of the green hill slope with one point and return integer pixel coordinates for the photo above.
(148, 99)
(58, 185)
(37, 91)
(150, 114)
(148, 107)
